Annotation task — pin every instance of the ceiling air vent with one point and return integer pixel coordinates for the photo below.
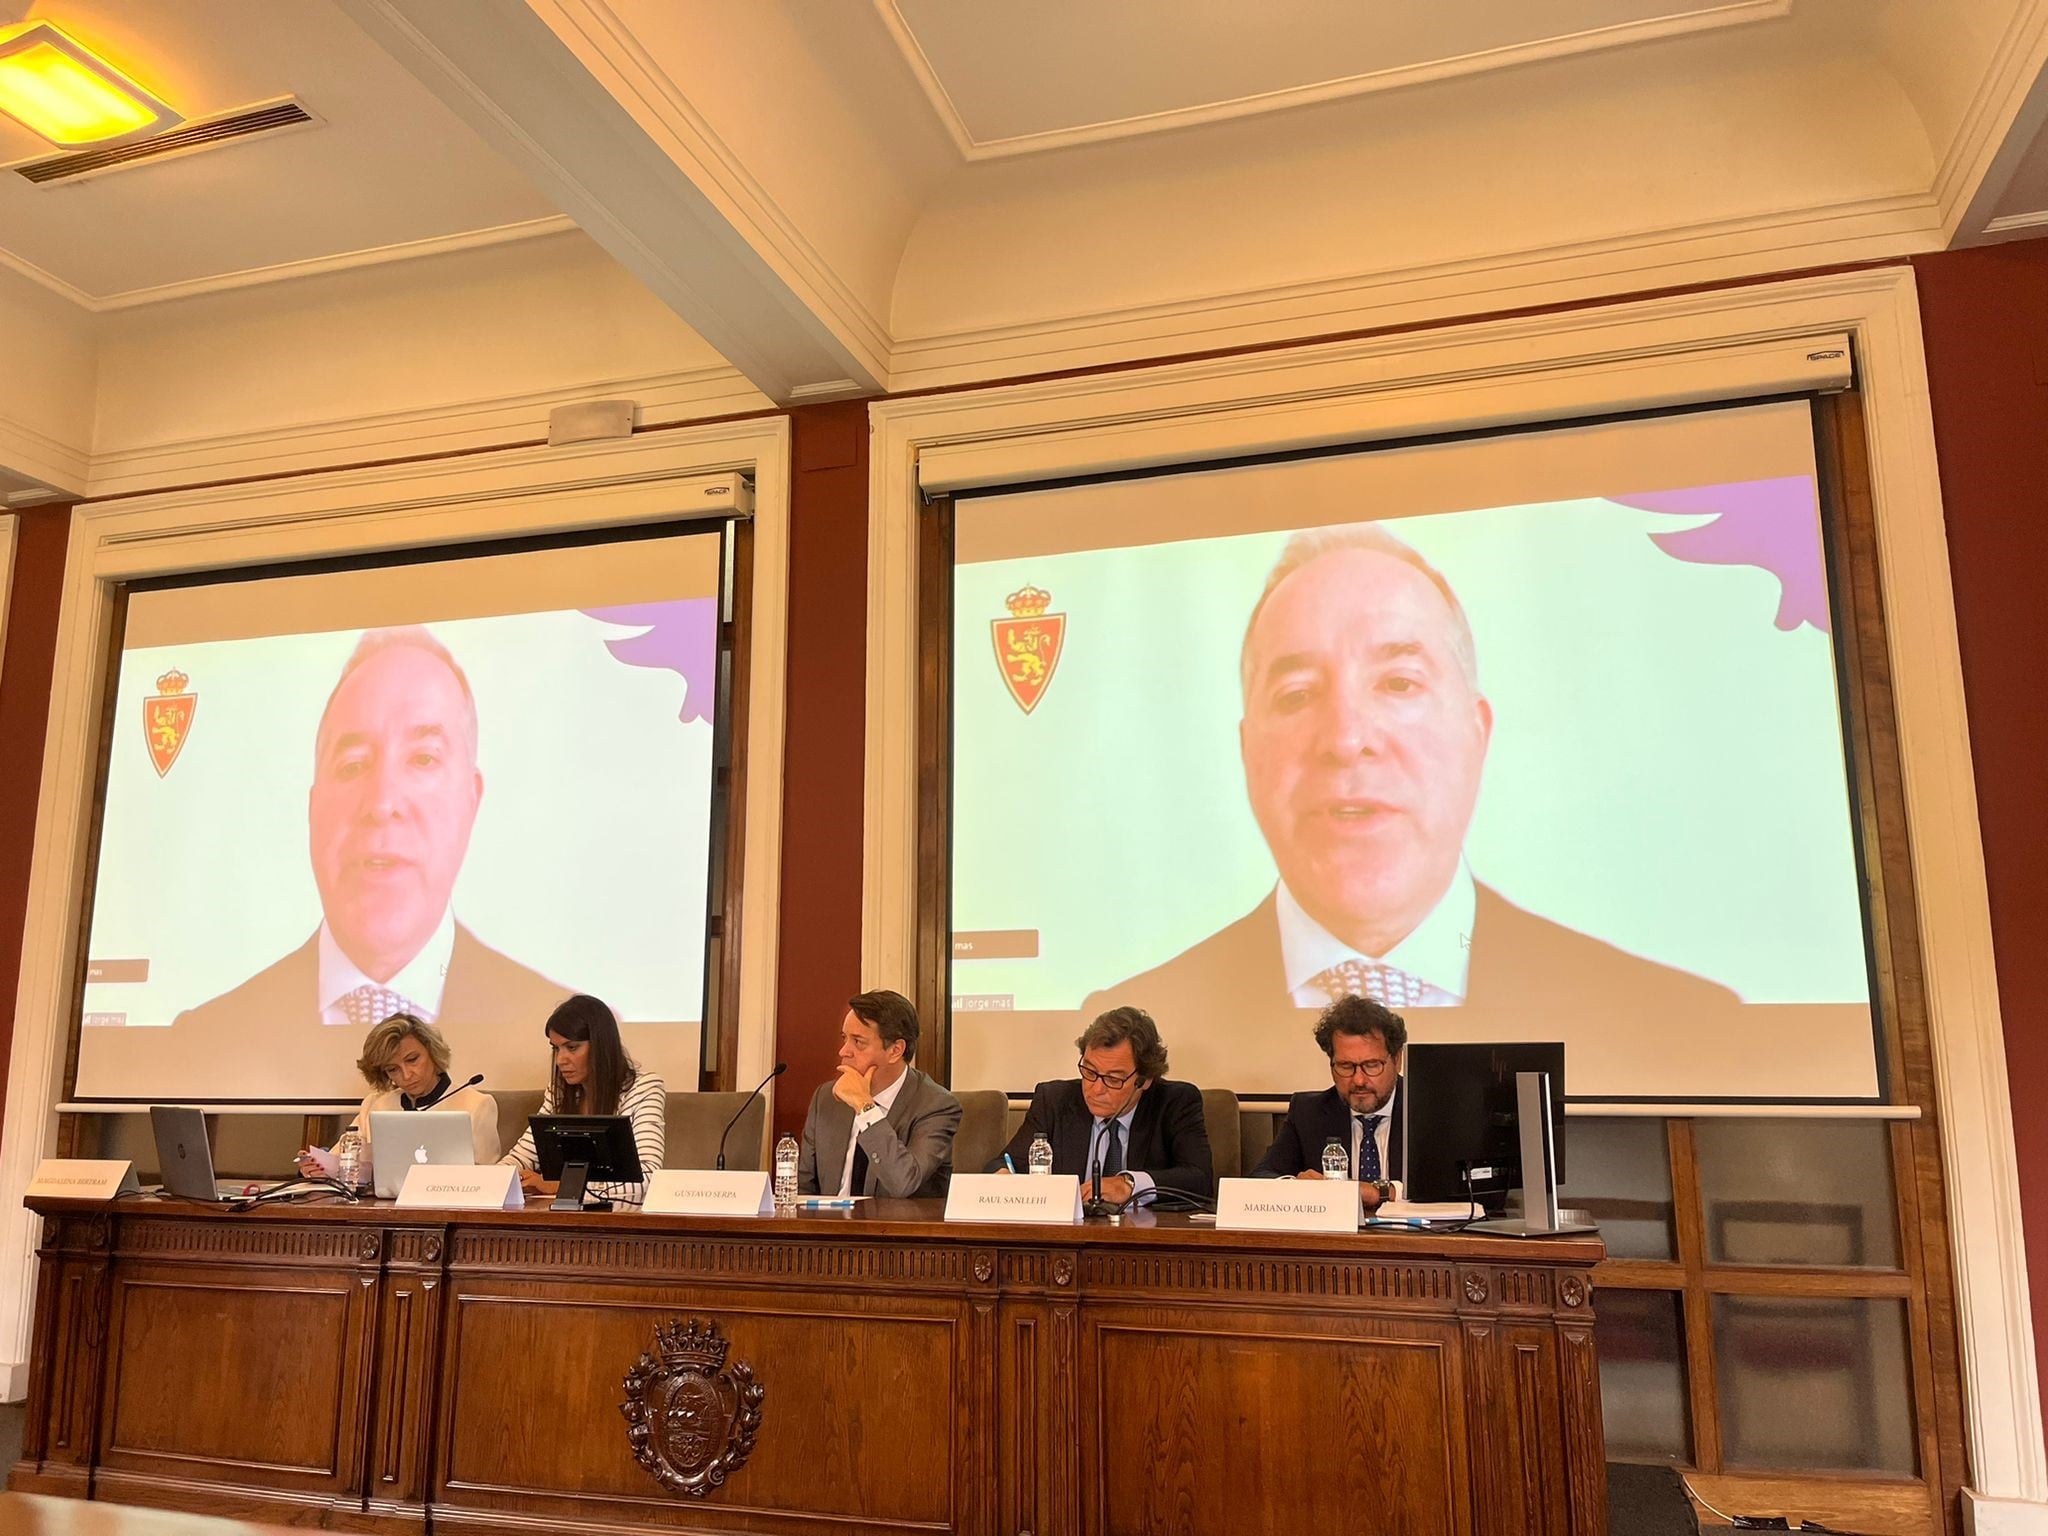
(204, 134)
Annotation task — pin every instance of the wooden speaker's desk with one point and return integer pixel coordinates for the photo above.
(365, 1368)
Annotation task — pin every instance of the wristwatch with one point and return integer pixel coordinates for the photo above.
(1383, 1189)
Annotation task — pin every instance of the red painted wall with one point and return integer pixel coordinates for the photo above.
(40, 537)
(1985, 318)
(823, 748)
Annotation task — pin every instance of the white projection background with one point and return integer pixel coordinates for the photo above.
(1658, 866)
(232, 784)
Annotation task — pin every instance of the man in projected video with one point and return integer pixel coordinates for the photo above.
(394, 797)
(1363, 738)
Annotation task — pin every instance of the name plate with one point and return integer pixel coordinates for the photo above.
(1052, 1198)
(697, 1192)
(83, 1178)
(449, 1187)
(1286, 1205)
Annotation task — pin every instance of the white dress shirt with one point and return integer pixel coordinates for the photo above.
(421, 981)
(1438, 953)
(885, 1099)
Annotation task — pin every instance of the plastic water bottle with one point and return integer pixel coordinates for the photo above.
(785, 1170)
(1040, 1156)
(1336, 1161)
(348, 1159)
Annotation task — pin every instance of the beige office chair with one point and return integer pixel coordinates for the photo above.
(695, 1121)
(516, 1106)
(1220, 1113)
(984, 1130)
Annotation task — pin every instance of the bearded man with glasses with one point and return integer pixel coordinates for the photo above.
(1122, 1112)
(1361, 1110)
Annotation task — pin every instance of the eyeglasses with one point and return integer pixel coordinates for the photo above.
(1107, 1079)
(1360, 1068)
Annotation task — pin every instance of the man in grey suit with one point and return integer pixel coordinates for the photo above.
(882, 1127)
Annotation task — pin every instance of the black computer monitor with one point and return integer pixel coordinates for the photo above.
(580, 1150)
(1462, 1125)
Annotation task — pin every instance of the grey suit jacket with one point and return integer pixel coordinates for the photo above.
(910, 1149)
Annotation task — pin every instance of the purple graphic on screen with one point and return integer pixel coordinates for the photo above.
(1770, 524)
(680, 637)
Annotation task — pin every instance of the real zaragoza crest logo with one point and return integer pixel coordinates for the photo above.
(167, 719)
(1028, 644)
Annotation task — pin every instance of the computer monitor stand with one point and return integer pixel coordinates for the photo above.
(1540, 1215)
(569, 1194)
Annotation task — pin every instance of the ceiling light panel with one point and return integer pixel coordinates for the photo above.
(61, 91)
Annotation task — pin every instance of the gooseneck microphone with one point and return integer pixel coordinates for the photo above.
(453, 1090)
(1095, 1205)
(780, 1068)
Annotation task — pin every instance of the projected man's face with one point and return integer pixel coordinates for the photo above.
(1362, 741)
(395, 792)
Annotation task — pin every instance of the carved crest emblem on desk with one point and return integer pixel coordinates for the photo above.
(690, 1418)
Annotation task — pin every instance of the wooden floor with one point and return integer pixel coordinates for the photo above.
(23, 1514)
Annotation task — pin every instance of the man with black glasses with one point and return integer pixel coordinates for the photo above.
(1122, 1113)
(1361, 1110)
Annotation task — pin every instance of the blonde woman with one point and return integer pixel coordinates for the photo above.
(405, 1062)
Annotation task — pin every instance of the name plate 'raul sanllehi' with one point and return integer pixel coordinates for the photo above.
(1287, 1205)
(1053, 1198)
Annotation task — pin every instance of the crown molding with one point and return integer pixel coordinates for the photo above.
(288, 271)
(487, 421)
(2018, 224)
(2006, 110)
(1863, 229)
(35, 455)
(710, 163)
(1627, 34)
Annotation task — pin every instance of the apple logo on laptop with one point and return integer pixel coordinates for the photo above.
(419, 1153)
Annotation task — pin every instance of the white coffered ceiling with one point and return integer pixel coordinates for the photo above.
(1020, 79)
(386, 172)
(853, 195)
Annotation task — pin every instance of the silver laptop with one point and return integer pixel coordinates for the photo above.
(183, 1152)
(400, 1138)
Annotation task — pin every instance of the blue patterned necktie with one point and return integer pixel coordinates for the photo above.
(1369, 1171)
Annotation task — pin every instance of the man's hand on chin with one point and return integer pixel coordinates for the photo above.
(855, 1089)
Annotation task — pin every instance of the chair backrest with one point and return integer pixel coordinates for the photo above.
(984, 1130)
(1220, 1113)
(516, 1106)
(1256, 1129)
(695, 1121)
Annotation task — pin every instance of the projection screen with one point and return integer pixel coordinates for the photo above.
(467, 786)
(1533, 736)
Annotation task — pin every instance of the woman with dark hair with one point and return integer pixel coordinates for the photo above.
(591, 1074)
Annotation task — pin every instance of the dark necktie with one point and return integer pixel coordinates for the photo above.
(857, 1184)
(1369, 1148)
(1112, 1148)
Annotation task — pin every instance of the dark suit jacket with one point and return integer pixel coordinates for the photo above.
(1316, 1119)
(910, 1149)
(1169, 1138)
(1538, 977)
(484, 989)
